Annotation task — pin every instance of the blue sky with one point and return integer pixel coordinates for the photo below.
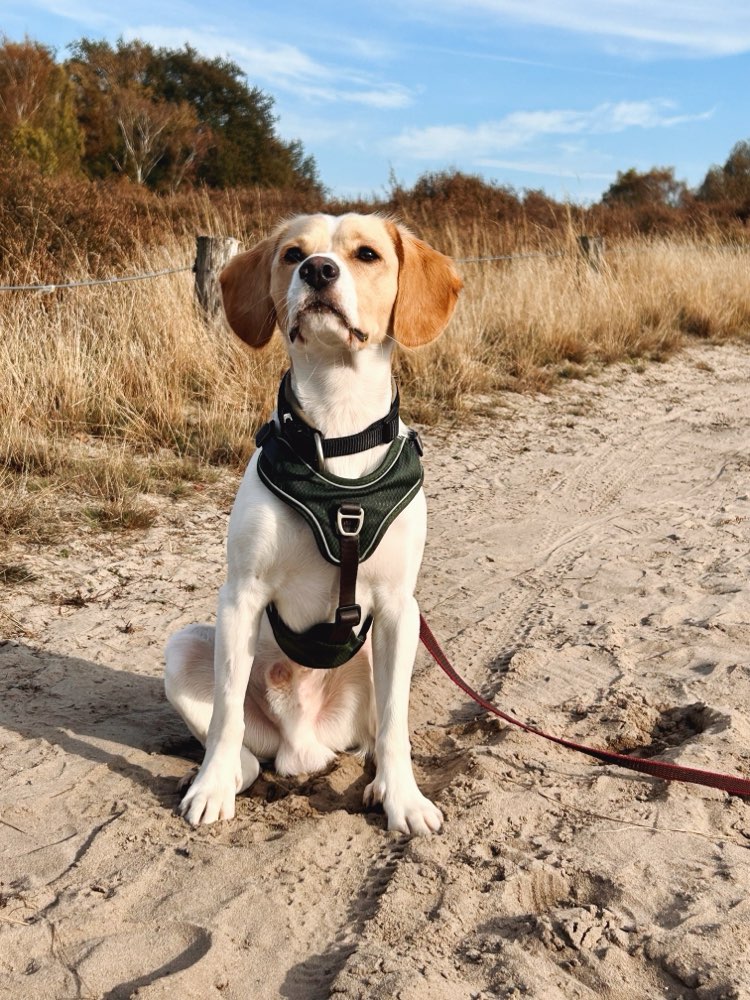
(551, 94)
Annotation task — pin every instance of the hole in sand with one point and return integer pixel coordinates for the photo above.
(673, 727)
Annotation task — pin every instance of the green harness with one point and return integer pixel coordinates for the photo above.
(348, 517)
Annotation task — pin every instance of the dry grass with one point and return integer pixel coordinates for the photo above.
(523, 324)
(113, 393)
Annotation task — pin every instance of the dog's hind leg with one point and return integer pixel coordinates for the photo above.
(189, 686)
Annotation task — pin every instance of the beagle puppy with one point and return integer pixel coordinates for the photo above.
(343, 291)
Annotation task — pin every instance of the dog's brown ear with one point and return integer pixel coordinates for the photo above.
(428, 288)
(246, 290)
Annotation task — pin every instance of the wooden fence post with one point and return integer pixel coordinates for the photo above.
(211, 254)
(592, 248)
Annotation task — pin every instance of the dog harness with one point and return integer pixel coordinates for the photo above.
(348, 517)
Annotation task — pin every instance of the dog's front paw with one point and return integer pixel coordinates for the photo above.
(211, 795)
(408, 811)
(213, 786)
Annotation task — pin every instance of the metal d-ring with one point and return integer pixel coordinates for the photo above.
(319, 449)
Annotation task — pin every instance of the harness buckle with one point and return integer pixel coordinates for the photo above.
(267, 431)
(349, 615)
(416, 440)
(347, 513)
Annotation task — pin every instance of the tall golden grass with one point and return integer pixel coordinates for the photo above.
(113, 392)
(522, 324)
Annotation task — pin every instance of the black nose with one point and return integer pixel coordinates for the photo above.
(318, 272)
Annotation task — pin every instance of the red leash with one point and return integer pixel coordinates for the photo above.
(659, 769)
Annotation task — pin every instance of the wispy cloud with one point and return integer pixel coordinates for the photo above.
(520, 128)
(546, 169)
(497, 57)
(74, 10)
(277, 62)
(718, 28)
(389, 95)
(371, 46)
(284, 67)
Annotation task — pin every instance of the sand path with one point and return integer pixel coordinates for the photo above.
(587, 566)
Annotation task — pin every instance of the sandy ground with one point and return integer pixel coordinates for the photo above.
(587, 566)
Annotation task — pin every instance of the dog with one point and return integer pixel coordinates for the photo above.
(343, 291)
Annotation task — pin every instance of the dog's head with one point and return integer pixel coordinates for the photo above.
(340, 283)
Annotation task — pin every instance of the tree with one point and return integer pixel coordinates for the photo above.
(161, 115)
(654, 187)
(244, 148)
(153, 130)
(37, 111)
(732, 181)
(129, 127)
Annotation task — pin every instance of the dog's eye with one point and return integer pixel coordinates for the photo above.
(367, 254)
(294, 255)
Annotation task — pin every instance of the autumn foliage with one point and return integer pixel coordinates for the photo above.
(162, 118)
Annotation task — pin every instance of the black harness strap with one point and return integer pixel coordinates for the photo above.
(310, 444)
(348, 613)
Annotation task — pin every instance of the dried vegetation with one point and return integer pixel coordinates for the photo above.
(114, 393)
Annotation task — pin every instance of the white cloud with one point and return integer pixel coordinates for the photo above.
(284, 67)
(388, 96)
(370, 47)
(73, 11)
(546, 169)
(276, 62)
(520, 128)
(698, 28)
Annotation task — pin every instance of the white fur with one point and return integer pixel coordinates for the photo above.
(239, 694)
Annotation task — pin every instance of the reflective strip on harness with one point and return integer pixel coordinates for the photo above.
(317, 496)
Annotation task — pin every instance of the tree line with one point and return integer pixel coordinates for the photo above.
(165, 118)
(727, 183)
(172, 119)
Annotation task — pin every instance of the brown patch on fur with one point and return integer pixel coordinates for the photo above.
(280, 674)
(428, 288)
(246, 290)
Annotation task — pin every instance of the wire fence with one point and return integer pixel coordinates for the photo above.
(508, 256)
(594, 255)
(52, 287)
